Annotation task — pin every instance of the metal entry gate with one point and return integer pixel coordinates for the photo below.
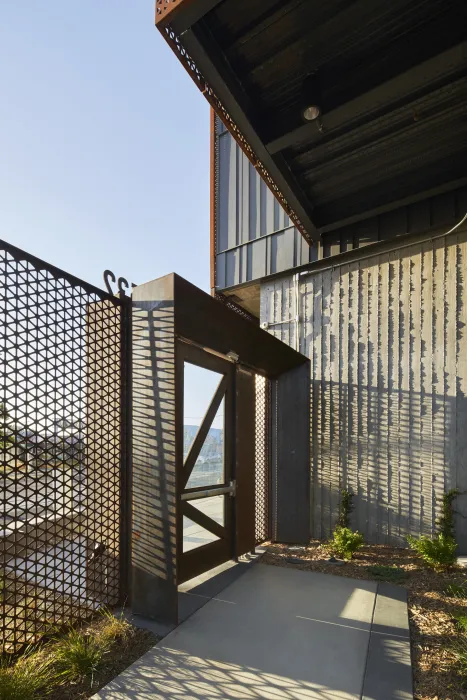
(62, 447)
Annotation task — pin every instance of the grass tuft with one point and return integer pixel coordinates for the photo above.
(455, 590)
(32, 676)
(80, 655)
(460, 650)
(461, 620)
(115, 628)
(387, 573)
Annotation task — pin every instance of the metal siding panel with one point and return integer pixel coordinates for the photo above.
(270, 199)
(232, 267)
(282, 251)
(257, 259)
(245, 199)
(228, 185)
(253, 209)
(263, 201)
(220, 270)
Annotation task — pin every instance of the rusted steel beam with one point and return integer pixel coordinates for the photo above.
(213, 166)
(182, 14)
(166, 10)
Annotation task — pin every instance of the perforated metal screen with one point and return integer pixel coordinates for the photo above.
(262, 473)
(60, 447)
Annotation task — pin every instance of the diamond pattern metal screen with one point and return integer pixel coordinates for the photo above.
(262, 472)
(60, 447)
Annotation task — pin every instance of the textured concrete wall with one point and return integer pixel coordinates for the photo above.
(387, 340)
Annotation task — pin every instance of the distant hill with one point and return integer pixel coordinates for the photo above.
(213, 445)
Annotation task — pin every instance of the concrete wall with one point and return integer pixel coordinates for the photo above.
(387, 340)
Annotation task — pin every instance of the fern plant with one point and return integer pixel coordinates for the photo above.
(439, 552)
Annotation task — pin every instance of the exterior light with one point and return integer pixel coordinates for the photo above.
(311, 98)
(311, 113)
(233, 356)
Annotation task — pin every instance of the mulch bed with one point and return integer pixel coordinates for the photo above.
(431, 610)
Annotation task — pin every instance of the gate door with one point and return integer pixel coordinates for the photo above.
(206, 488)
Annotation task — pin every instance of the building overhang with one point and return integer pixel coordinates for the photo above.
(390, 81)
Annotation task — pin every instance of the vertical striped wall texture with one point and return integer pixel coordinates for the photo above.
(387, 340)
(254, 236)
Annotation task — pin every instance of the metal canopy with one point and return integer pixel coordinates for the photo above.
(392, 90)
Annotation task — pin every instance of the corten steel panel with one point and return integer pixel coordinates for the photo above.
(291, 456)
(154, 460)
(209, 323)
(245, 460)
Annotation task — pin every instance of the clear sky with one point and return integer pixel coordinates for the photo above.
(104, 147)
(104, 142)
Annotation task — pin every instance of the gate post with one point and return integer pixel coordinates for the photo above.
(154, 531)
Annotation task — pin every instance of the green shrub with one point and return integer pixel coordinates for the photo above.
(439, 553)
(80, 655)
(32, 676)
(345, 542)
(387, 573)
(345, 508)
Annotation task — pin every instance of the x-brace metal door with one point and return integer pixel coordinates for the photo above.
(205, 479)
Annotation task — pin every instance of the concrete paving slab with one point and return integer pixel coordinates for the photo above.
(389, 670)
(388, 673)
(391, 616)
(275, 633)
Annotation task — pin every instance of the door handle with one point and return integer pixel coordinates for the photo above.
(220, 491)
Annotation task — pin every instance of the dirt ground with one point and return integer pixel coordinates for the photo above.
(432, 626)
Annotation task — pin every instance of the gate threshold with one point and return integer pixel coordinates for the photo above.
(193, 594)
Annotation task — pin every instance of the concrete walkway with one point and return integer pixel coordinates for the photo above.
(281, 634)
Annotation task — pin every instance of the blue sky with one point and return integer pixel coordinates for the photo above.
(104, 142)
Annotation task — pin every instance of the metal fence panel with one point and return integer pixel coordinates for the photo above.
(262, 462)
(60, 447)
